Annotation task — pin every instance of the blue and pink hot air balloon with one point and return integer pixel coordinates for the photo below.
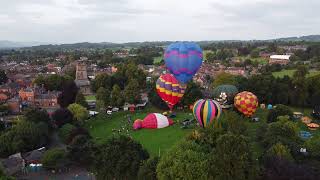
(183, 60)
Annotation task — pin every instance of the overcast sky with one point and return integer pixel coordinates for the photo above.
(68, 21)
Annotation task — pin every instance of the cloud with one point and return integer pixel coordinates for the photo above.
(146, 20)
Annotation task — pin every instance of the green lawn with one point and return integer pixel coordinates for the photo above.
(260, 60)
(154, 140)
(289, 73)
(158, 141)
(90, 97)
(157, 60)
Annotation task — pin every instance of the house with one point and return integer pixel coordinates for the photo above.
(3, 97)
(238, 71)
(38, 97)
(13, 165)
(14, 105)
(279, 59)
(34, 157)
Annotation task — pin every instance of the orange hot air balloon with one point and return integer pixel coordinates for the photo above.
(169, 89)
(246, 102)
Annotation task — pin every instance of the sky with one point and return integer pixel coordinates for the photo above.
(70, 21)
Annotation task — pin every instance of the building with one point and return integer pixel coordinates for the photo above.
(14, 105)
(238, 71)
(38, 97)
(82, 80)
(279, 59)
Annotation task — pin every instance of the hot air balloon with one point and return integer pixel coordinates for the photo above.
(183, 60)
(246, 102)
(224, 94)
(153, 121)
(169, 89)
(137, 124)
(207, 112)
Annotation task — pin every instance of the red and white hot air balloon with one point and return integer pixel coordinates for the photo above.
(153, 121)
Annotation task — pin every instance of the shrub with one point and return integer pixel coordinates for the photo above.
(279, 110)
(54, 159)
(148, 170)
(65, 132)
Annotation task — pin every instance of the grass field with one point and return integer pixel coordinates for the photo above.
(290, 73)
(154, 140)
(260, 60)
(157, 60)
(158, 141)
(90, 97)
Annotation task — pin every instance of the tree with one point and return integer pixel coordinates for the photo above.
(80, 99)
(62, 116)
(132, 92)
(313, 146)
(65, 132)
(148, 171)
(235, 123)
(68, 94)
(54, 159)
(255, 53)
(280, 151)
(192, 93)
(37, 115)
(102, 80)
(79, 112)
(52, 82)
(280, 168)
(284, 132)
(232, 158)
(120, 158)
(80, 150)
(186, 159)
(3, 176)
(100, 106)
(224, 78)
(279, 110)
(23, 137)
(116, 96)
(3, 77)
(103, 95)
(300, 91)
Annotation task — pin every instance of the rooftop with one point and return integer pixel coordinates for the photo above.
(284, 57)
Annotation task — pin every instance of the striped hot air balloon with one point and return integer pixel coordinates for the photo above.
(183, 60)
(246, 102)
(169, 89)
(207, 111)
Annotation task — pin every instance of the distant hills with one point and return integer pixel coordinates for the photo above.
(41, 45)
(310, 38)
(12, 44)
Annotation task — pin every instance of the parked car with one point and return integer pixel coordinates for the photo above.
(115, 109)
(109, 112)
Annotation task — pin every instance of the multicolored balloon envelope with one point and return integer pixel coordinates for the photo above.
(169, 89)
(183, 60)
(207, 112)
(246, 103)
(152, 121)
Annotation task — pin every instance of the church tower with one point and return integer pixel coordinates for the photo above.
(82, 80)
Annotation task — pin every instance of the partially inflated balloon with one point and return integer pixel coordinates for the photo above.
(153, 121)
(246, 102)
(207, 112)
(183, 60)
(169, 89)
